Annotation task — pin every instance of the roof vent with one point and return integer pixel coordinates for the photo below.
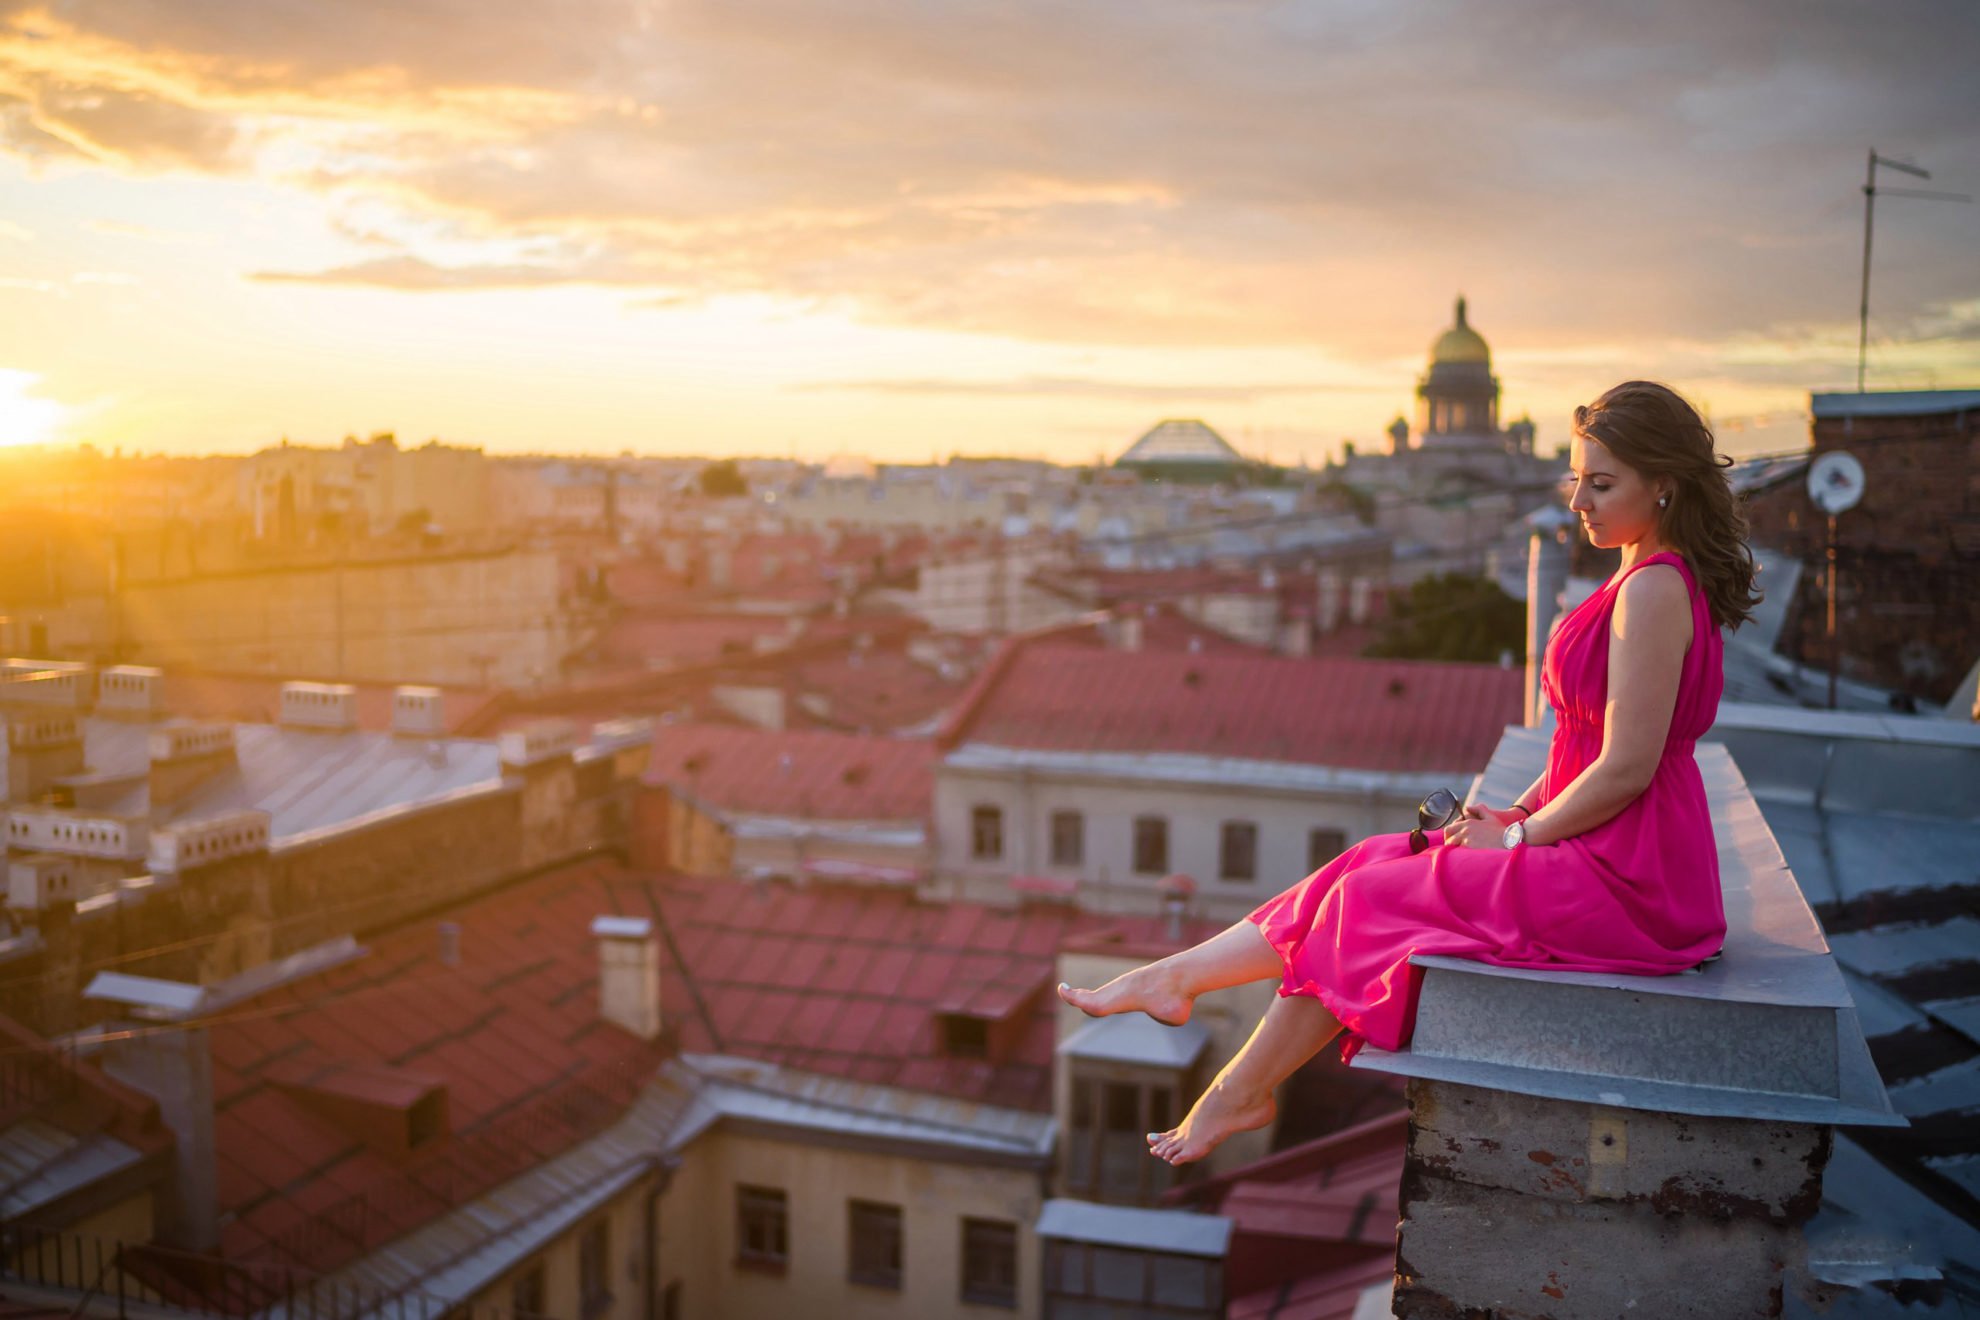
(418, 712)
(538, 741)
(37, 881)
(203, 842)
(64, 684)
(35, 733)
(319, 706)
(184, 739)
(132, 692)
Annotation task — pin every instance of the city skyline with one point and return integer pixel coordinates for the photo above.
(808, 230)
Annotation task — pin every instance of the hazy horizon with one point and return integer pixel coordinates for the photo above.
(783, 229)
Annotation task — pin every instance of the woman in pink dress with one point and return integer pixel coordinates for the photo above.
(1605, 864)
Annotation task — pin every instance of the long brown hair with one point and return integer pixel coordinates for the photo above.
(1650, 427)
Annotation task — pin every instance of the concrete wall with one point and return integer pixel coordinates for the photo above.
(698, 1230)
(1107, 880)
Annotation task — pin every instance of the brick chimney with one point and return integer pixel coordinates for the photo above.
(1595, 1145)
(628, 974)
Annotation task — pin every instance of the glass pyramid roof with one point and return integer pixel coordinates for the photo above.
(1181, 440)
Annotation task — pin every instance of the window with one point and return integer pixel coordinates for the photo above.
(1084, 1279)
(762, 1214)
(1068, 838)
(1106, 1152)
(1237, 855)
(1151, 845)
(989, 1262)
(526, 1292)
(1323, 846)
(986, 833)
(874, 1252)
(595, 1268)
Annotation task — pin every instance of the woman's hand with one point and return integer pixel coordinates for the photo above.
(1480, 827)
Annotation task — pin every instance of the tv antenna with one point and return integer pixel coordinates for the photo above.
(1869, 209)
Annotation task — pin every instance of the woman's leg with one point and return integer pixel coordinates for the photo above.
(1165, 989)
(1292, 1031)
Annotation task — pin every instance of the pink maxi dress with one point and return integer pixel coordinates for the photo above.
(1637, 894)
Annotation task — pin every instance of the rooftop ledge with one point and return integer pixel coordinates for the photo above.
(1768, 1031)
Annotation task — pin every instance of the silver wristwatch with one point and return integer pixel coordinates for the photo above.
(1515, 834)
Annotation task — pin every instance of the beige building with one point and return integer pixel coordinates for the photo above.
(471, 619)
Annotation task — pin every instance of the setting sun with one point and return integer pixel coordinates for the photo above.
(24, 419)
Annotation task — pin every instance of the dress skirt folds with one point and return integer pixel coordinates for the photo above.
(1637, 894)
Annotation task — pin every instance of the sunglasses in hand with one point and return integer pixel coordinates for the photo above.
(1433, 813)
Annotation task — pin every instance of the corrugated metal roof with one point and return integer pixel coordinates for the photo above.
(1137, 1038)
(40, 1162)
(1177, 1232)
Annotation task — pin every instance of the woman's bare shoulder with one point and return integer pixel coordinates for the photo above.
(1655, 598)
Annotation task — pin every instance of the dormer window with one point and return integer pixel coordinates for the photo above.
(1130, 1076)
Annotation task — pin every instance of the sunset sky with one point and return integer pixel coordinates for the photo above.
(910, 229)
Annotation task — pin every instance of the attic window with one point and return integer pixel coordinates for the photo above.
(1192, 678)
(855, 774)
(965, 1037)
(1397, 687)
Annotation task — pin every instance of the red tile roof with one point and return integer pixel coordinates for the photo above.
(1393, 715)
(852, 982)
(1314, 1225)
(876, 689)
(849, 983)
(803, 773)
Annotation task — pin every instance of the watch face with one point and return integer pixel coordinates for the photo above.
(1515, 834)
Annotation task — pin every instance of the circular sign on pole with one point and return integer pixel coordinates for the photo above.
(1835, 482)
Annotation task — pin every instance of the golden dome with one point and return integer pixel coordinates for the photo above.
(1460, 343)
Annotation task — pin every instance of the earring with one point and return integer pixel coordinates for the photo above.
(1663, 501)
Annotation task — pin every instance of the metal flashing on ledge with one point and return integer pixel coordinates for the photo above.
(1767, 1031)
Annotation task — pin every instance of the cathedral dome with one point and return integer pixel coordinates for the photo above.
(1460, 343)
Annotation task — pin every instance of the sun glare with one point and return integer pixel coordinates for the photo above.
(24, 419)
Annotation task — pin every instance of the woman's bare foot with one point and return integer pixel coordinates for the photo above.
(1155, 990)
(1221, 1111)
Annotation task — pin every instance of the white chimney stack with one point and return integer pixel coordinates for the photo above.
(1328, 617)
(418, 712)
(130, 692)
(628, 974)
(319, 706)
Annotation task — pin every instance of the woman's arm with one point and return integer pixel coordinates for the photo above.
(1649, 631)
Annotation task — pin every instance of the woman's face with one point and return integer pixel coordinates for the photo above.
(1617, 504)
